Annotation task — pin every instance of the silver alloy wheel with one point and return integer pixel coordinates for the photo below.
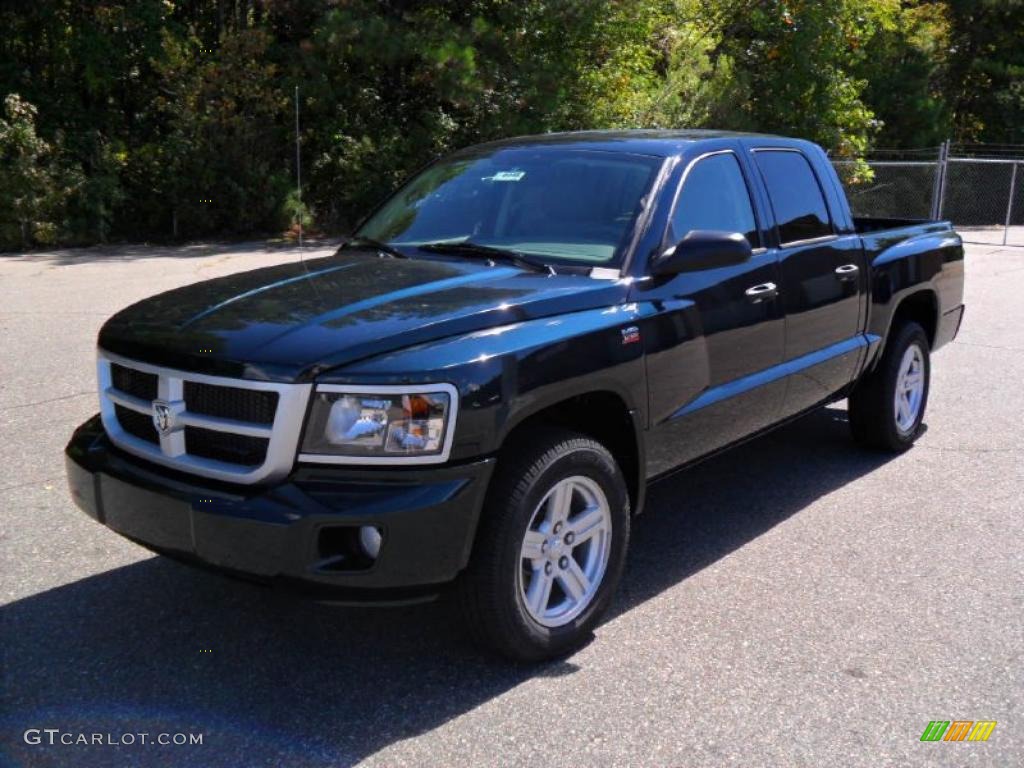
(565, 551)
(909, 389)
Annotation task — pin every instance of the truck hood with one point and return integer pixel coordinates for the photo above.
(294, 321)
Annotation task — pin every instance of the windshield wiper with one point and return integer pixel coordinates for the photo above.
(469, 248)
(358, 241)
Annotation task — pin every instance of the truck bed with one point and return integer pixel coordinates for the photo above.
(866, 224)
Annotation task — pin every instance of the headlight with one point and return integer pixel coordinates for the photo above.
(381, 425)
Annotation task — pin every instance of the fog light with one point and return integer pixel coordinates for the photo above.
(369, 540)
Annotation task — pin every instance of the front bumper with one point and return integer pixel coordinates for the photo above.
(298, 532)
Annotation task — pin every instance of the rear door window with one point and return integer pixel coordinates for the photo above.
(799, 205)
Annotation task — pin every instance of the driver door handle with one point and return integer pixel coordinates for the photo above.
(758, 293)
(847, 272)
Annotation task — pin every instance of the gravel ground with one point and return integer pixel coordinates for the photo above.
(795, 602)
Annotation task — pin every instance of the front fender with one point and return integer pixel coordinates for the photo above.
(508, 373)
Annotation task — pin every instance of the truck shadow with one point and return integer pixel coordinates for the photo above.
(158, 647)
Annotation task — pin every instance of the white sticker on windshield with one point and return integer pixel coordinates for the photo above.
(508, 175)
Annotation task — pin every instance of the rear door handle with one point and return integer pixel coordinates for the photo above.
(847, 272)
(758, 293)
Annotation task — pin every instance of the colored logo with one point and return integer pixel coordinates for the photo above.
(958, 730)
(630, 335)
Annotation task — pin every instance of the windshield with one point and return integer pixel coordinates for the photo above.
(573, 206)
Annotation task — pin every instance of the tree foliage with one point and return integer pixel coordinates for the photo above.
(174, 118)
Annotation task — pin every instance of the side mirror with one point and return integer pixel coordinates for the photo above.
(703, 249)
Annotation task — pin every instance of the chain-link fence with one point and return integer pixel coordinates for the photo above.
(979, 189)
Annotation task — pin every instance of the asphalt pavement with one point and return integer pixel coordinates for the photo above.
(794, 602)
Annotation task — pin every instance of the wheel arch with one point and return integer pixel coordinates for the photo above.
(601, 414)
(920, 306)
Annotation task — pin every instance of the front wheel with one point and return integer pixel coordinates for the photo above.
(887, 407)
(550, 549)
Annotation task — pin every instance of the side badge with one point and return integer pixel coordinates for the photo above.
(630, 335)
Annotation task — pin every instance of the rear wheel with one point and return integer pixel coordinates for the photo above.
(550, 549)
(887, 407)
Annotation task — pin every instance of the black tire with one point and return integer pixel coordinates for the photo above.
(872, 409)
(489, 591)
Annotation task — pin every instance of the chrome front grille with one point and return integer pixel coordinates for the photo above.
(223, 428)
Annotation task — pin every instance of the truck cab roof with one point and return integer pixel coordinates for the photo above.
(656, 142)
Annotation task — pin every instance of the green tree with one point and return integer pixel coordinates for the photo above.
(906, 68)
(222, 164)
(388, 85)
(794, 64)
(31, 197)
(694, 76)
(986, 79)
(173, 118)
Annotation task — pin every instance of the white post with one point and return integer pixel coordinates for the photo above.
(298, 163)
(942, 178)
(937, 183)
(1009, 204)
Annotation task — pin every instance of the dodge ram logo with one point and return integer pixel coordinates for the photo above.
(163, 417)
